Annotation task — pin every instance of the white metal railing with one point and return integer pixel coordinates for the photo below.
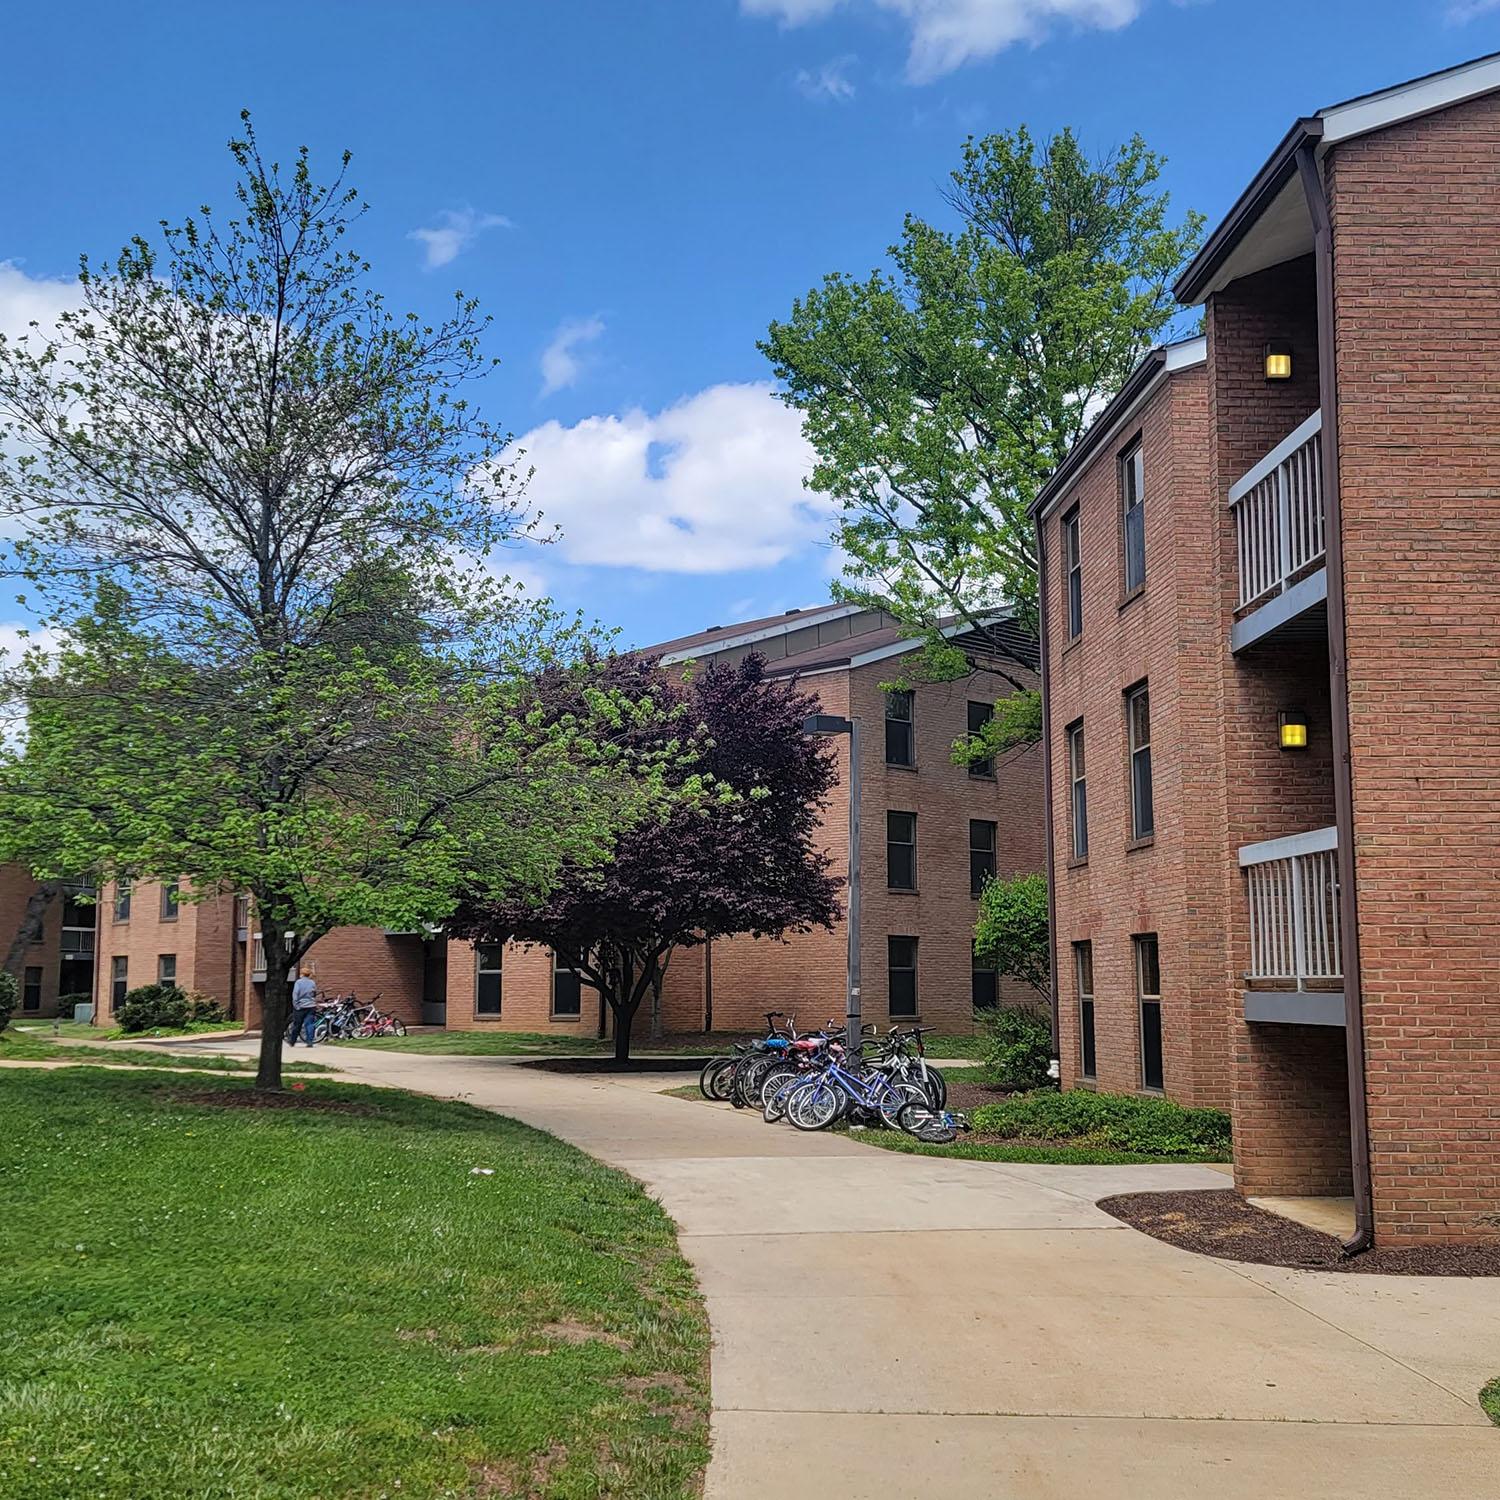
(1278, 513)
(257, 956)
(1293, 889)
(242, 910)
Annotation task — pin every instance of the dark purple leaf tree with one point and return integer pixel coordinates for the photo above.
(741, 858)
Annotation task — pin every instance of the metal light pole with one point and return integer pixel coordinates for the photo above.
(825, 724)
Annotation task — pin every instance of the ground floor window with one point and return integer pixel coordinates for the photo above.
(986, 983)
(901, 962)
(166, 968)
(487, 979)
(1148, 992)
(31, 988)
(567, 990)
(119, 980)
(1083, 973)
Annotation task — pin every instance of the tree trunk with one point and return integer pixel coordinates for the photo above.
(30, 930)
(624, 1020)
(275, 1007)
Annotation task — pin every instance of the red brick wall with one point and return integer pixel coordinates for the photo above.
(1172, 637)
(16, 887)
(1416, 220)
(202, 936)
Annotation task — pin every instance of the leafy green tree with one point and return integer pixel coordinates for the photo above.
(940, 393)
(255, 507)
(1013, 931)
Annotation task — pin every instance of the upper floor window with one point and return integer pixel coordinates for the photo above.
(1078, 801)
(169, 900)
(1133, 514)
(900, 736)
(122, 901)
(487, 979)
(1073, 568)
(980, 714)
(1138, 727)
(981, 853)
(901, 851)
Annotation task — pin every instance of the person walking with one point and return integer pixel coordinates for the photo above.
(304, 1009)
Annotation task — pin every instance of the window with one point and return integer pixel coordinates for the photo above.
(567, 990)
(31, 988)
(488, 961)
(980, 714)
(901, 851)
(119, 980)
(1078, 799)
(1138, 727)
(122, 901)
(1148, 992)
(900, 740)
(1083, 973)
(901, 963)
(169, 900)
(985, 985)
(981, 854)
(79, 917)
(1073, 567)
(166, 968)
(1133, 514)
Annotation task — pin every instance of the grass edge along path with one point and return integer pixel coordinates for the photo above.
(1489, 1399)
(323, 1298)
(18, 1047)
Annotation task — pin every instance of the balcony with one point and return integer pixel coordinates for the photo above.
(1279, 527)
(241, 918)
(1296, 972)
(257, 957)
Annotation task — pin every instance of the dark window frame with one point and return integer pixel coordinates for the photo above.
(1078, 791)
(900, 729)
(984, 983)
(1148, 1010)
(119, 980)
(123, 892)
(162, 977)
(1072, 550)
(892, 969)
(982, 860)
(1132, 472)
(567, 978)
(899, 851)
(1138, 763)
(31, 987)
(981, 770)
(483, 971)
(1083, 985)
(171, 899)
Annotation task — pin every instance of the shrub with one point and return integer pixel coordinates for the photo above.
(1016, 1048)
(67, 1004)
(1122, 1122)
(7, 997)
(205, 1008)
(1012, 931)
(154, 1005)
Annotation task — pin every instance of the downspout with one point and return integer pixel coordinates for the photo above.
(1338, 698)
(1042, 613)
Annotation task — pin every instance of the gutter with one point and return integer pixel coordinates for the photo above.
(1338, 697)
(1042, 614)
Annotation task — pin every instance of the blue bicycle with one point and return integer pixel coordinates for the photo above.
(814, 1103)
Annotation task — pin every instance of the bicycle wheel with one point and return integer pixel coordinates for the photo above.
(815, 1106)
(321, 1030)
(748, 1079)
(775, 1090)
(918, 1118)
(937, 1088)
(398, 1026)
(773, 1080)
(713, 1081)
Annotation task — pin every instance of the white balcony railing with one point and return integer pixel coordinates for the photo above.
(257, 956)
(1278, 513)
(1293, 888)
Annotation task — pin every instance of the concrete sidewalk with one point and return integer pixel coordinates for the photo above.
(892, 1326)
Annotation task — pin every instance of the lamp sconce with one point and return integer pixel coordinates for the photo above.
(1278, 361)
(1292, 723)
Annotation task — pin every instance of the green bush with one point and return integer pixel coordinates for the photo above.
(7, 997)
(154, 1005)
(1122, 1122)
(1016, 1048)
(67, 1004)
(206, 1008)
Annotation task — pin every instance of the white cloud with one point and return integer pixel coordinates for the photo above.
(26, 299)
(455, 231)
(1461, 12)
(831, 81)
(710, 485)
(946, 34)
(561, 362)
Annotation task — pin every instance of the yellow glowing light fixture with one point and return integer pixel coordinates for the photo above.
(1293, 729)
(1278, 361)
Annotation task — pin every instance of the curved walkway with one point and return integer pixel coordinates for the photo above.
(891, 1326)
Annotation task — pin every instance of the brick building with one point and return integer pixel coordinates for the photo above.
(1302, 694)
(59, 964)
(930, 830)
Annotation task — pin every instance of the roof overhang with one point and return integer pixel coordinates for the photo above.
(1143, 383)
(813, 614)
(884, 653)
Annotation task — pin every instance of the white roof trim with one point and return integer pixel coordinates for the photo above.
(812, 614)
(1408, 101)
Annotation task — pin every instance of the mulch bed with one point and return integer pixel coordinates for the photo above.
(969, 1096)
(610, 1065)
(255, 1099)
(1220, 1222)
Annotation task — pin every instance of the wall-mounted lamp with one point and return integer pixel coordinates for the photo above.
(1278, 361)
(1293, 722)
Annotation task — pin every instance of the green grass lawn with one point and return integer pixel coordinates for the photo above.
(1489, 1399)
(81, 1031)
(324, 1300)
(33, 1046)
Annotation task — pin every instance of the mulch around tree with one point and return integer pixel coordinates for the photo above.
(610, 1065)
(1220, 1222)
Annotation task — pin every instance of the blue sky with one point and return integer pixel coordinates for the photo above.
(634, 188)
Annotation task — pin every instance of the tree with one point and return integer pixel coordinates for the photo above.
(940, 394)
(255, 508)
(740, 859)
(1013, 930)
